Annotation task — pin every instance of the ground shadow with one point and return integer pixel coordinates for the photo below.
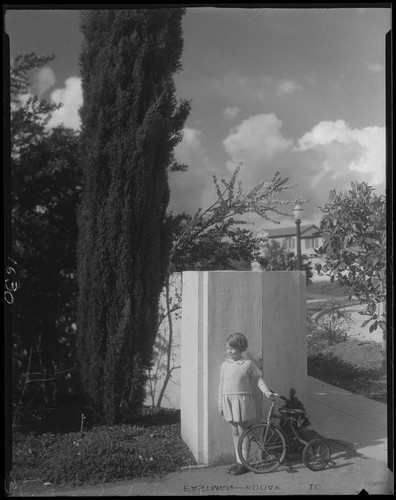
(342, 455)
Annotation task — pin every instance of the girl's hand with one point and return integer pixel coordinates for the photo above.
(269, 395)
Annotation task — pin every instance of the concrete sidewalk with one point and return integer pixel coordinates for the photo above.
(355, 427)
(353, 420)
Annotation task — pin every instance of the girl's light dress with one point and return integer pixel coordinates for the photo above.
(235, 394)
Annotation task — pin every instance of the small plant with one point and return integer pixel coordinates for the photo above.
(82, 424)
(331, 327)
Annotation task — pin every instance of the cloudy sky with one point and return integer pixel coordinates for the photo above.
(299, 91)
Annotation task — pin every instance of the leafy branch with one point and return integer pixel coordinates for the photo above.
(231, 202)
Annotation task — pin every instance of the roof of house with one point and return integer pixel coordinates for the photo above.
(306, 231)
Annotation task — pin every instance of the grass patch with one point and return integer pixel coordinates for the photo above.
(101, 454)
(318, 289)
(352, 365)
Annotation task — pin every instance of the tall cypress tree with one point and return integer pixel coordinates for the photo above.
(131, 122)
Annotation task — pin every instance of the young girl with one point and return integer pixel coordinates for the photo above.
(236, 401)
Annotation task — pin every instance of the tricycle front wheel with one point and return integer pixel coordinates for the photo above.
(262, 451)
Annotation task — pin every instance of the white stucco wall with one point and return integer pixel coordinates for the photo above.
(284, 332)
(269, 309)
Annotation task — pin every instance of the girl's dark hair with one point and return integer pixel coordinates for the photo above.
(237, 340)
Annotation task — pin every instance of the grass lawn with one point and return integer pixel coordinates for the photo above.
(353, 365)
(148, 447)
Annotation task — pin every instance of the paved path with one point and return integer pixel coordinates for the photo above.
(354, 421)
(348, 475)
(355, 427)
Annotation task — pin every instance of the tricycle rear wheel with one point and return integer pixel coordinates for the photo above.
(316, 454)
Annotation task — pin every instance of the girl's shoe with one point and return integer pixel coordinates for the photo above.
(233, 466)
(240, 469)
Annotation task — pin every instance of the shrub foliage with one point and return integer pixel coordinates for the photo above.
(131, 123)
(102, 454)
(353, 227)
(45, 184)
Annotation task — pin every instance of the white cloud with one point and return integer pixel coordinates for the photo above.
(259, 145)
(330, 156)
(257, 141)
(324, 133)
(71, 98)
(375, 67)
(358, 154)
(231, 112)
(258, 138)
(192, 141)
(287, 87)
(43, 80)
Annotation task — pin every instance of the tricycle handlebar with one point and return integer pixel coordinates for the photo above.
(279, 396)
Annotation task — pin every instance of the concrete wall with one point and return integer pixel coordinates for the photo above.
(269, 309)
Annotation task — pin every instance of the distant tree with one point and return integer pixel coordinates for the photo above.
(29, 113)
(353, 228)
(274, 258)
(45, 180)
(131, 123)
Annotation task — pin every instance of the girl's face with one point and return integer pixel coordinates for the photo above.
(233, 352)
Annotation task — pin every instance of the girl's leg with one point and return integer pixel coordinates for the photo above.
(245, 445)
(235, 438)
(237, 429)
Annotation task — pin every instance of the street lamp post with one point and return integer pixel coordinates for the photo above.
(297, 219)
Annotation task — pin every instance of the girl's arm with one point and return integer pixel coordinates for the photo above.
(263, 387)
(261, 384)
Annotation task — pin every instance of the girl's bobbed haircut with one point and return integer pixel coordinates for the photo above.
(238, 341)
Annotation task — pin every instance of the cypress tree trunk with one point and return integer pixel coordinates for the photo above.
(131, 123)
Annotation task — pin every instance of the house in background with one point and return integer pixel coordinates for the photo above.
(287, 238)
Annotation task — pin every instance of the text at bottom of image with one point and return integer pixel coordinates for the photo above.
(229, 487)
